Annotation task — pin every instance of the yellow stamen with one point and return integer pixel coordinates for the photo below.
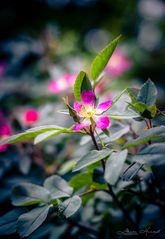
(88, 111)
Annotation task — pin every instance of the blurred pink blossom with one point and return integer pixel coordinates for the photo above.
(62, 84)
(5, 131)
(100, 87)
(118, 64)
(2, 68)
(30, 116)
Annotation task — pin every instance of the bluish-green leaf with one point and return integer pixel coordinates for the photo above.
(116, 131)
(127, 114)
(157, 134)
(92, 157)
(70, 206)
(30, 221)
(30, 134)
(153, 154)
(133, 92)
(26, 194)
(114, 166)
(148, 93)
(8, 222)
(49, 134)
(102, 59)
(58, 187)
(81, 83)
(131, 172)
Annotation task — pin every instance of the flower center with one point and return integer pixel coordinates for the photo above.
(88, 112)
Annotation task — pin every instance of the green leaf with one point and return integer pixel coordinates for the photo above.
(131, 172)
(114, 166)
(81, 83)
(49, 134)
(127, 114)
(146, 112)
(152, 155)
(58, 187)
(80, 180)
(67, 166)
(116, 132)
(8, 222)
(152, 110)
(132, 92)
(157, 134)
(102, 58)
(70, 206)
(92, 157)
(26, 194)
(148, 93)
(139, 106)
(30, 221)
(30, 134)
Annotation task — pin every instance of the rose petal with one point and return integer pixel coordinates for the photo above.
(77, 107)
(102, 107)
(82, 125)
(102, 122)
(88, 97)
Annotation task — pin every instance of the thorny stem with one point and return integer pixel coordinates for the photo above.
(131, 223)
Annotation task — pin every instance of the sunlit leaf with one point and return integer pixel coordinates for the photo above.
(49, 134)
(102, 58)
(30, 134)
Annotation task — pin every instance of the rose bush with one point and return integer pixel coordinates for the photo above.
(116, 179)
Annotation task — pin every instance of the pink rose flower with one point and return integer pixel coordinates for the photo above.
(30, 116)
(118, 64)
(88, 113)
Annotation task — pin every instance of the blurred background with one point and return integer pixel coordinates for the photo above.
(43, 46)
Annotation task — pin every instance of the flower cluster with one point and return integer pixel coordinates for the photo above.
(89, 114)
